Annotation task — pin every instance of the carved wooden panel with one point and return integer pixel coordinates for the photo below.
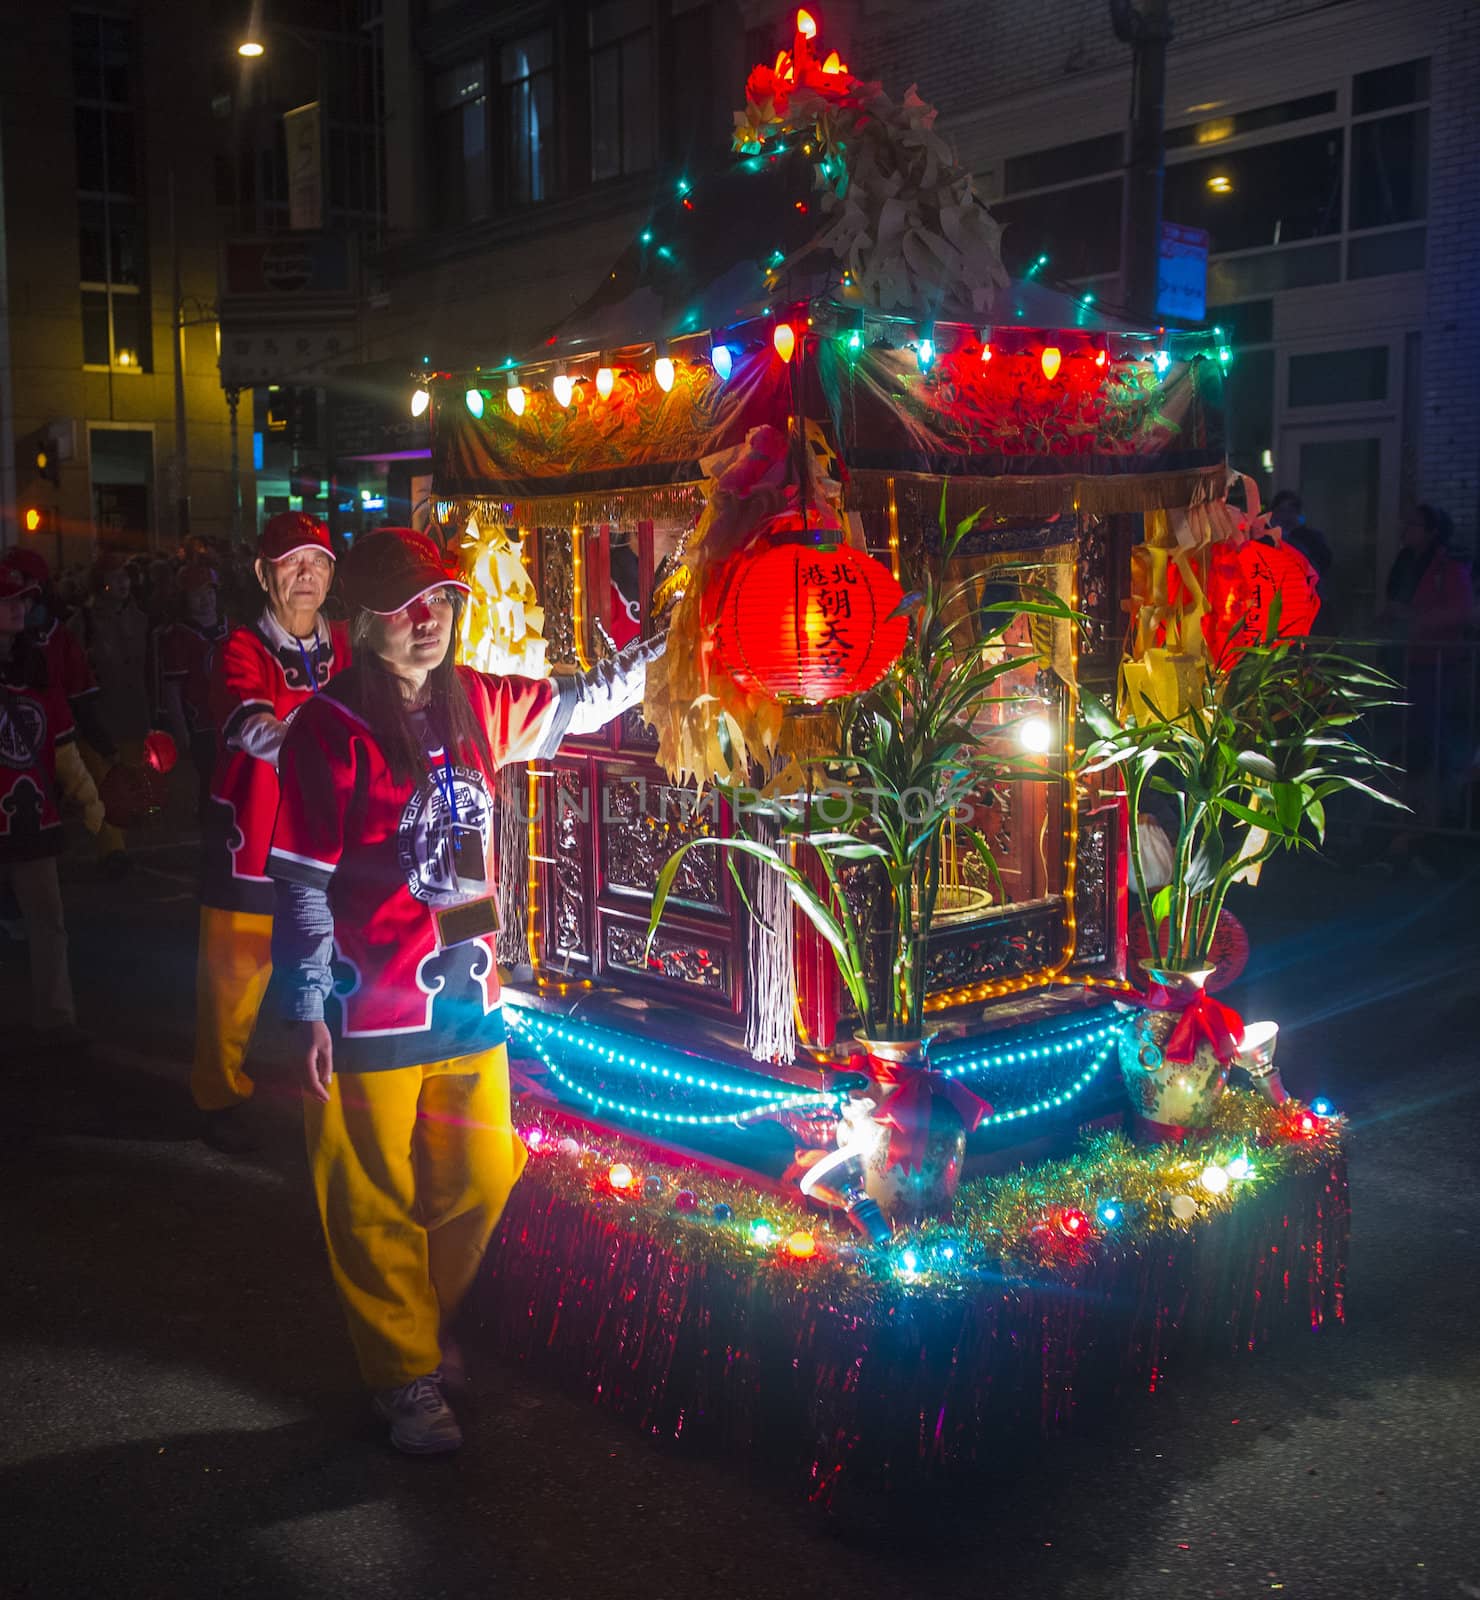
(643, 821)
(1005, 947)
(679, 958)
(1092, 889)
(570, 901)
(557, 594)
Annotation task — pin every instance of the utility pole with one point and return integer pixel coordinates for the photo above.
(177, 330)
(1147, 28)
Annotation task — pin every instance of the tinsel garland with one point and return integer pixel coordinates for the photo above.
(1046, 1219)
(847, 1366)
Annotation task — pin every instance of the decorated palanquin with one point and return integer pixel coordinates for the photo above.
(803, 337)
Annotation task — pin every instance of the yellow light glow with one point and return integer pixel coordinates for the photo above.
(806, 24)
(784, 339)
(1035, 735)
(663, 372)
(1220, 183)
(605, 382)
(578, 596)
(893, 531)
(563, 389)
(517, 399)
(420, 400)
(1051, 360)
(834, 63)
(251, 48)
(1214, 132)
(33, 519)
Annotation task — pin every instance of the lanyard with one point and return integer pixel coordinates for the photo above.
(311, 668)
(442, 773)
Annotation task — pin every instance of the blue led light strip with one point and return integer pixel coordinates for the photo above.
(1072, 1044)
(1051, 1102)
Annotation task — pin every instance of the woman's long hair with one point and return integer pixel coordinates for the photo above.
(456, 727)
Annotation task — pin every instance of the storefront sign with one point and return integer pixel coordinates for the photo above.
(1182, 273)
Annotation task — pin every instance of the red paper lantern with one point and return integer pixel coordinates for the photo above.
(802, 621)
(1242, 585)
(160, 752)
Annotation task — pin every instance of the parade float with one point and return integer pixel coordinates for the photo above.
(877, 1099)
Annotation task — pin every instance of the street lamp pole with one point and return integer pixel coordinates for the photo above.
(1147, 28)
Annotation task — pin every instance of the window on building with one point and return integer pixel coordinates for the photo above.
(460, 144)
(1381, 90)
(1215, 129)
(527, 74)
(621, 41)
(1065, 163)
(527, 99)
(1264, 194)
(1339, 377)
(1390, 170)
(1249, 398)
(697, 134)
(112, 242)
(1077, 229)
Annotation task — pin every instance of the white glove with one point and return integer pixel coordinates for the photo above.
(611, 687)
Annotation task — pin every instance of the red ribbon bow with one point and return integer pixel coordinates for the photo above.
(907, 1110)
(1205, 1021)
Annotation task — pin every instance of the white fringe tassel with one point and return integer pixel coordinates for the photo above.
(513, 865)
(770, 990)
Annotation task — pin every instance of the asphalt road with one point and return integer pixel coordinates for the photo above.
(180, 1415)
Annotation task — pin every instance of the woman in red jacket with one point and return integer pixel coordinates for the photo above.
(383, 942)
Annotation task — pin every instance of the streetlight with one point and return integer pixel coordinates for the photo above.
(251, 48)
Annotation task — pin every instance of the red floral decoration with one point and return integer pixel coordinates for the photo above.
(809, 622)
(1243, 583)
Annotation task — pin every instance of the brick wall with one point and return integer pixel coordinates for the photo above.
(1449, 449)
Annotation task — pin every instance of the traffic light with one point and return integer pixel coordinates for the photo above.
(47, 465)
(33, 519)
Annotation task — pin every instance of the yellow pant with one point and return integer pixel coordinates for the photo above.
(231, 974)
(110, 839)
(412, 1168)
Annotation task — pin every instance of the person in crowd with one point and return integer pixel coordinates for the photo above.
(116, 633)
(262, 674)
(383, 856)
(1429, 601)
(40, 768)
(66, 660)
(183, 650)
(1286, 514)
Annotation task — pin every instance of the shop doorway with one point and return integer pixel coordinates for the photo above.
(121, 462)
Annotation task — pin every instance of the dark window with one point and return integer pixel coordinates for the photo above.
(1339, 377)
(696, 128)
(1372, 255)
(1390, 170)
(1270, 194)
(621, 38)
(1066, 163)
(1243, 277)
(97, 349)
(111, 237)
(1387, 87)
(1249, 396)
(1214, 130)
(1077, 229)
(527, 91)
(1251, 322)
(460, 144)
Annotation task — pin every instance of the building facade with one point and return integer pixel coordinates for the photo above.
(108, 205)
(1325, 148)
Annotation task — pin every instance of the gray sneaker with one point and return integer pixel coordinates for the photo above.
(422, 1423)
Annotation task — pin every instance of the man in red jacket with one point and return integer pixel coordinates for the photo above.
(39, 767)
(261, 675)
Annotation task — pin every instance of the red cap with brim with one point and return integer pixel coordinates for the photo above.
(30, 564)
(291, 531)
(388, 569)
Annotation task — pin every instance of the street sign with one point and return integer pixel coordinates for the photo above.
(1182, 273)
(303, 136)
(282, 352)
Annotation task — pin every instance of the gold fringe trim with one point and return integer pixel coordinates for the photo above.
(1004, 498)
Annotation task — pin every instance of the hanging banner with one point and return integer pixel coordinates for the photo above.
(303, 135)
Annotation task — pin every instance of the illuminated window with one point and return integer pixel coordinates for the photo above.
(527, 101)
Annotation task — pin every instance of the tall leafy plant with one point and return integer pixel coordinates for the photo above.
(1248, 768)
(911, 755)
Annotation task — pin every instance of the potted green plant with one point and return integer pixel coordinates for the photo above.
(1247, 767)
(910, 756)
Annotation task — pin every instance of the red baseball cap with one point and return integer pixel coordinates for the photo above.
(291, 531)
(387, 569)
(15, 584)
(31, 563)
